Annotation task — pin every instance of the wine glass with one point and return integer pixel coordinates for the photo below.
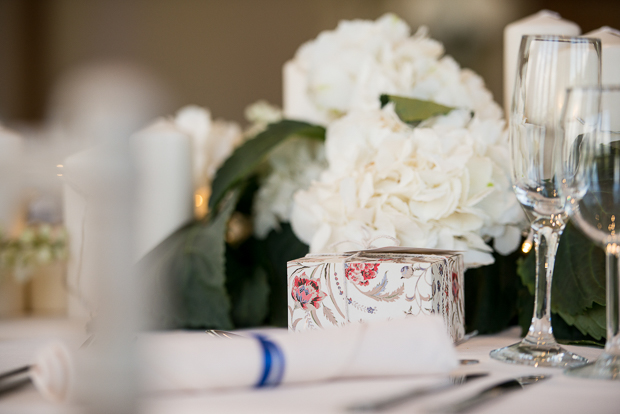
(588, 177)
(547, 65)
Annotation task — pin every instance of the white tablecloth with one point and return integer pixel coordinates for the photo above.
(560, 394)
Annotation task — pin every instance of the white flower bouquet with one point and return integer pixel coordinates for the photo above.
(443, 184)
(383, 139)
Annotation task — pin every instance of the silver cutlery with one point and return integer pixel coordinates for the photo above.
(14, 379)
(491, 393)
(391, 402)
(222, 334)
(466, 337)
(468, 361)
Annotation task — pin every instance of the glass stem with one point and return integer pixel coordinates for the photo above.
(612, 346)
(546, 240)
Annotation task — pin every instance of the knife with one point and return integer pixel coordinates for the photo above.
(390, 402)
(491, 393)
(14, 379)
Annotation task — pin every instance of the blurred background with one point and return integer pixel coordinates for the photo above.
(226, 54)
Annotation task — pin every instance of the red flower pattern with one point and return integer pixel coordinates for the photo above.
(455, 286)
(361, 273)
(307, 293)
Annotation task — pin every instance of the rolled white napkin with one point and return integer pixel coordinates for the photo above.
(181, 361)
(52, 372)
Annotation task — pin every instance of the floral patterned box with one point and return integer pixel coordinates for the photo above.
(331, 290)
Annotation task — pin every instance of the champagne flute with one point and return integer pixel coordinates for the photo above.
(547, 65)
(588, 177)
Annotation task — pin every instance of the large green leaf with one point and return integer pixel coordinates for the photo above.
(189, 271)
(591, 321)
(579, 275)
(578, 289)
(414, 111)
(244, 161)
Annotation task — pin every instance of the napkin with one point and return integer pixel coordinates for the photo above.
(185, 361)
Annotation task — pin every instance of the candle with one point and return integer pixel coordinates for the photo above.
(610, 58)
(165, 194)
(295, 99)
(543, 22)
(163, 203)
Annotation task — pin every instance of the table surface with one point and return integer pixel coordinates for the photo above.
(560, 394)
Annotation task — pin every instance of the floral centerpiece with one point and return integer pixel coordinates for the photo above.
(383, 139)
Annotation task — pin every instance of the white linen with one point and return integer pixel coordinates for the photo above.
(185, 361)
(559, 394)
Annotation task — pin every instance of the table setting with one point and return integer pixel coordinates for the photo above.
(348, 252)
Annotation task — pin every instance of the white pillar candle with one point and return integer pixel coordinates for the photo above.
(165, 194)
(295, 99)
(610, 65)
(163, 204)
(543, 22)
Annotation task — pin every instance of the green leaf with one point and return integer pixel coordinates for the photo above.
(590, 322)
(583, 342)
(414, 111)
(578, 289)
(189, 269)
(579, 274)
(244, 161)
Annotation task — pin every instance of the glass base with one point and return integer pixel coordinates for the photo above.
(555, 357)
(606, 367)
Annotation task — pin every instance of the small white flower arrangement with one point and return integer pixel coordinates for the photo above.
(36, 245)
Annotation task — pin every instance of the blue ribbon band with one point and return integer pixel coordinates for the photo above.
(273, 358)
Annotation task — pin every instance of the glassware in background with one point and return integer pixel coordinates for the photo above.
(547, 66)
(588, 177)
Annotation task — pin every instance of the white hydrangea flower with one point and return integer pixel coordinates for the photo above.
(441, 185)
(444, 184)
(350, 67)
(293, 166)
